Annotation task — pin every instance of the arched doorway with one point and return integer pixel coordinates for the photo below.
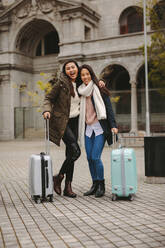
(37, 49)
(156, 104)
(117, 80)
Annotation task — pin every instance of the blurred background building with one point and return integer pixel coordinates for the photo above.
(39, 35)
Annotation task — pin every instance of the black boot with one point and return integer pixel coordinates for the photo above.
(100, 189)
(57, 179)
(92, 189)
(68, 190)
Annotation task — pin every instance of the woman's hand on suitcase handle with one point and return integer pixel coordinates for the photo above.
(114, 130)
(46, 115)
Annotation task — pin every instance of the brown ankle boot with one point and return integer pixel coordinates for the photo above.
(57, 183)
(68, 190)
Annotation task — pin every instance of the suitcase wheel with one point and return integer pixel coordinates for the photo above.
(114, 197)
(131, 197)
(37, 200)
(51, 198)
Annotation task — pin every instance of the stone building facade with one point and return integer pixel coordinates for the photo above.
(39, 35)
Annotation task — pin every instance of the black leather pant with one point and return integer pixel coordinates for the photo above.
(72, 148)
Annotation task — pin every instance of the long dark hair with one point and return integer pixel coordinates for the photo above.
(94, 79)
(77, 81)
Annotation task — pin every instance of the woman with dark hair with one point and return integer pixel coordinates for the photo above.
(62, 107)
(96, 124)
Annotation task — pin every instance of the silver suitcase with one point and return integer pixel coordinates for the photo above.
(41, 173)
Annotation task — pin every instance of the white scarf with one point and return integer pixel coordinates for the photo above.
(84, 91)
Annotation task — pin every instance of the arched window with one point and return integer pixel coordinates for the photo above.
(131, 20)
(38, 38)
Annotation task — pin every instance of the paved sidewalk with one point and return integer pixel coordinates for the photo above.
(82, 222)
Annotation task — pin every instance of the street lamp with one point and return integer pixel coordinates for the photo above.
(146, 72)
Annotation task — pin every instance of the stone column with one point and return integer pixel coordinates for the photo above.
(134, 117)
(6, 108)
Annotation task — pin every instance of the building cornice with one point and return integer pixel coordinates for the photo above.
(13, 6)
(100, 56)
(4, 67)
(83, 9)
(107, 38)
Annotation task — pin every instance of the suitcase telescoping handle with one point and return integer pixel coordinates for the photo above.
(47, 143)
(114, 140)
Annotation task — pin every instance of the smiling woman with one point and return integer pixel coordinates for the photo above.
(96, 125)
(61, 106)
(85, 76)
(71, 71)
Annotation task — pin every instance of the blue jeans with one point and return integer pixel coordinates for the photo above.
(94, 147)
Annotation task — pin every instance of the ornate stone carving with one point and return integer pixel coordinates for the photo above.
(46, 6)
(34, 6)
(23, 11)
(31, 8)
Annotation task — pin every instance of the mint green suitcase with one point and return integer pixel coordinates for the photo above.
(123, 173)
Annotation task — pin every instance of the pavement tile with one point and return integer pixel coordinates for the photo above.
(155, 244)
(141, 245)
(75, 245)
(88, 243)
(122, 244)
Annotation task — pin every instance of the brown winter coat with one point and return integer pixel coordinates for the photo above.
(57, 102)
